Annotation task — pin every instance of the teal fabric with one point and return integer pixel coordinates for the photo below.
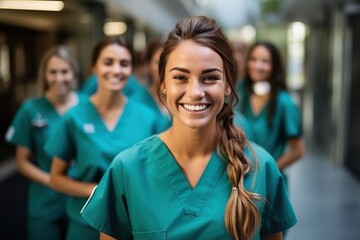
(163, 120)
(241, 122)
(132, 87)
(83, 140)
(38, 229)
(145, 195)
(31, 127)
(286, 124)
(81, 231)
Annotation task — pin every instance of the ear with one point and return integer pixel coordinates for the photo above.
(227, 91)
(163, 89)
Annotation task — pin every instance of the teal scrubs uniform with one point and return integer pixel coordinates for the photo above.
(286, 124)
(133, 86)
(83, 139)
(33, 124)
(241, 122)
(145, 195)
(163, 120)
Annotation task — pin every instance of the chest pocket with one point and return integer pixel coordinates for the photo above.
(149, 235)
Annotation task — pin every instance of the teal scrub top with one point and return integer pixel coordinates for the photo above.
(33, 123)
(83, 137)
(145, 195)
(133, 86)
(163, 120)
(286, 124)
(244, 124)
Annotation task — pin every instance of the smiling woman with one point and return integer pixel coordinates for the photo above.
(201, 171)
(33, 124)
(93, 133)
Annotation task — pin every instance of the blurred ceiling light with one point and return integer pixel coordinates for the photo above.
(248, 33)
(202, 3)
(297, 32)
(115, 28)
(32, 5)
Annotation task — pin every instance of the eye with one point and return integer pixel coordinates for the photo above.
(211, 78)
(65, 71)
(52, 72)
(125, 63)
(108, 62)
(180, 77)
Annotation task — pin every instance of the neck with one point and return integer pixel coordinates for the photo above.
(59, 99)
(192, 143)
(108, 101)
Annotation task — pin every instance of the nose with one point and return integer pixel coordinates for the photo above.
(195, 89)
(59, 76)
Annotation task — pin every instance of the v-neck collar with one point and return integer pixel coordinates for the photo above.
(192, 199)
(51, 106)
(100, 121)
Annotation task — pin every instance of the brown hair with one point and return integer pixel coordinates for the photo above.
(241, 217)
(108, 40)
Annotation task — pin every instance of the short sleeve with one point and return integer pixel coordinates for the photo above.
(278, 212)
(292, 118)
(19, 132)
(61, 143)
(106, 209)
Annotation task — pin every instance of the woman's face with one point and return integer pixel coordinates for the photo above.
(113, 67)
(259, 64)
(59, 76)
(195, 85)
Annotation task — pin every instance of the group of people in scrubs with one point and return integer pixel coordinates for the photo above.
(172, 161)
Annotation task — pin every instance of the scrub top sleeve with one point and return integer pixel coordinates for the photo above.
(278, 212)
(60, 143)
(292, 119)
(106, 209)
(19, 132)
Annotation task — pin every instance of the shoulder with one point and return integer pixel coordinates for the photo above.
(80, 111)
(138, 153)
(140, 109)
(33, 102)
(257, 153)
(284, 98)
(81, 96)
(264, 163)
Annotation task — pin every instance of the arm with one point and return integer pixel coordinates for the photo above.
(27, 168)
(275, 236)
(62, 183)
(293, 153)
(104, 236)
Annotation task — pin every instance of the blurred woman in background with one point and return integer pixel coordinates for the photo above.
(33, 124)
(90, 135)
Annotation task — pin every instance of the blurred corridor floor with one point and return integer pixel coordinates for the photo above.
(326, 198)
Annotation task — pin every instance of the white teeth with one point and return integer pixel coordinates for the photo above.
(195, 107)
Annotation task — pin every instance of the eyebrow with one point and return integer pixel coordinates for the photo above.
(202, 72)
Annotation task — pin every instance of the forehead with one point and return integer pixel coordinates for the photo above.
(261, 51)
(191, 55)
(115, 51)
(57, 62)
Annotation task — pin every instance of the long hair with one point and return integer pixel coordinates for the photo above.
(241, 216)
(276, 79)
(65, 54)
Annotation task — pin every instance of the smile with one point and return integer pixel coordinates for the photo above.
(195, 108)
